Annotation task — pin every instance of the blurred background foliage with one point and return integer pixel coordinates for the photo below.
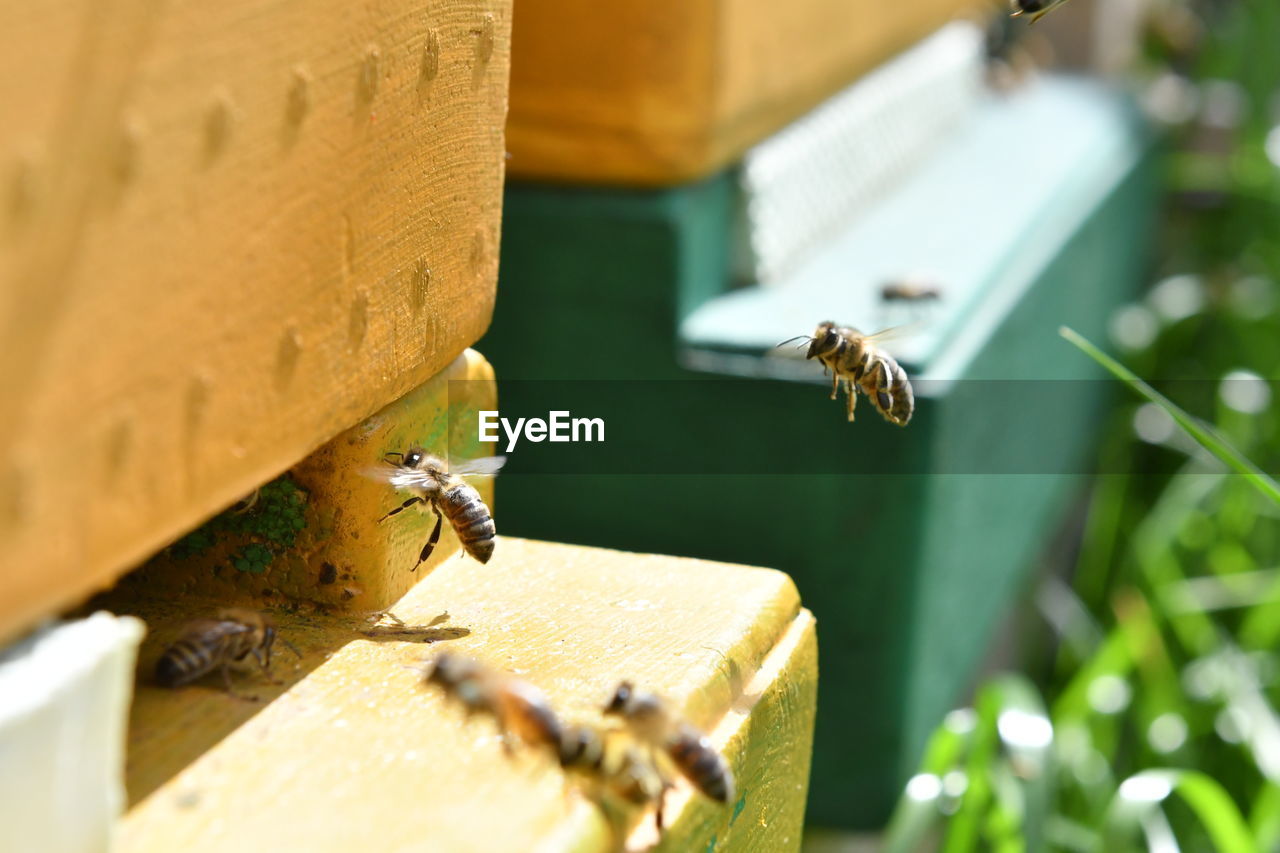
(1151, 721)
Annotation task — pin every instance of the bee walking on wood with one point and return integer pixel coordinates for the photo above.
(854, 359)
(519, 708)
(908, 290)
(448, 495)
(653, 723)
(218, 643)
(1037, 9)
(613, 767)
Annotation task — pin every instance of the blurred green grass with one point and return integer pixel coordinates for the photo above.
(1155, 726)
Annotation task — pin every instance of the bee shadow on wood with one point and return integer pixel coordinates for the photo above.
(399, 631)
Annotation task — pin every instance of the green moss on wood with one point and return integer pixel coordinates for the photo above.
(271, 520)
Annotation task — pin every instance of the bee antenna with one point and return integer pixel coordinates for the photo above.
(806, 338)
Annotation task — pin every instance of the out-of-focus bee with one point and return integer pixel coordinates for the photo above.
(652, 722)
(854, 358)
(613, 767)
(433, 484)
(519, 708)
(218, 643)
(910, 290)
(1037, 9)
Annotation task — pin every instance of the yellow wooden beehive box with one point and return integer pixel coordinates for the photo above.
(657, 92)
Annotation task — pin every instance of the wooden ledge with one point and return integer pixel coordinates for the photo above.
(352, 753)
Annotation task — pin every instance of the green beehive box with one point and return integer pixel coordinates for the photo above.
(909, 544)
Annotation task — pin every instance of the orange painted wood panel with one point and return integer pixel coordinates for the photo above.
(657, 92)
(231, 231)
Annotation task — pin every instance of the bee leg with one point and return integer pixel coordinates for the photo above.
(402, 507)
(435, 537)
(264, 660)
(659, 813)
(504, 738)
(378, 615)
(246, 504)
(226, 679)
(850, 399)
(835, 384)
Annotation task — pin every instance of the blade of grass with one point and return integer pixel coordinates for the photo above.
(1264, 820)
(1146, 791)
(1206, 436)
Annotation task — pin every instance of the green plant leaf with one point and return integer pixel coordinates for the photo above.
(1205, 435)
(1145, 792)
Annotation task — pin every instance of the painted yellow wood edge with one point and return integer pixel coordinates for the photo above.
(344, 557)
(233, 229)
(352, 753)
(658, 92)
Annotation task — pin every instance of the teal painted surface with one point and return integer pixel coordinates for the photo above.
(594, 279)
(907, 572)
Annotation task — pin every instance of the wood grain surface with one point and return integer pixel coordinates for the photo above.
(315, 537)
(657, 92)
(230, 231)
(353, 753)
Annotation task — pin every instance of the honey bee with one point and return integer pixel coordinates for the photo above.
(908, 290)
(218, 643)
(652, 722)
(1037, 9)
(517, 706)
(617, 769)
(853, 358)
(431, 483)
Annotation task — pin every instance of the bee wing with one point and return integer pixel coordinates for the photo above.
(400, 478)
(484, 466)
(893, 333)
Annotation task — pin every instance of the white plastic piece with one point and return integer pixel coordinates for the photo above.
(805, 182)
(64, 705)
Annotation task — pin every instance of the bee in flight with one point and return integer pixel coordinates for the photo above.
(431, 482)
(517, 706)
(854, 358)
(218, 643)
(1037, 9)
(651, 720)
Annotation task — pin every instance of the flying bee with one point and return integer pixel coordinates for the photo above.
(615, 768)
(1037, 9)
(910, 290)
(854, 358)
(517, 706)
(652, 722)
(218, 643)
(432, 483)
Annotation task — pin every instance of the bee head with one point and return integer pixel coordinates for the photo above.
(441, 670)
(621, 696)
(825, 338)
(458, 675)
(409, 459)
